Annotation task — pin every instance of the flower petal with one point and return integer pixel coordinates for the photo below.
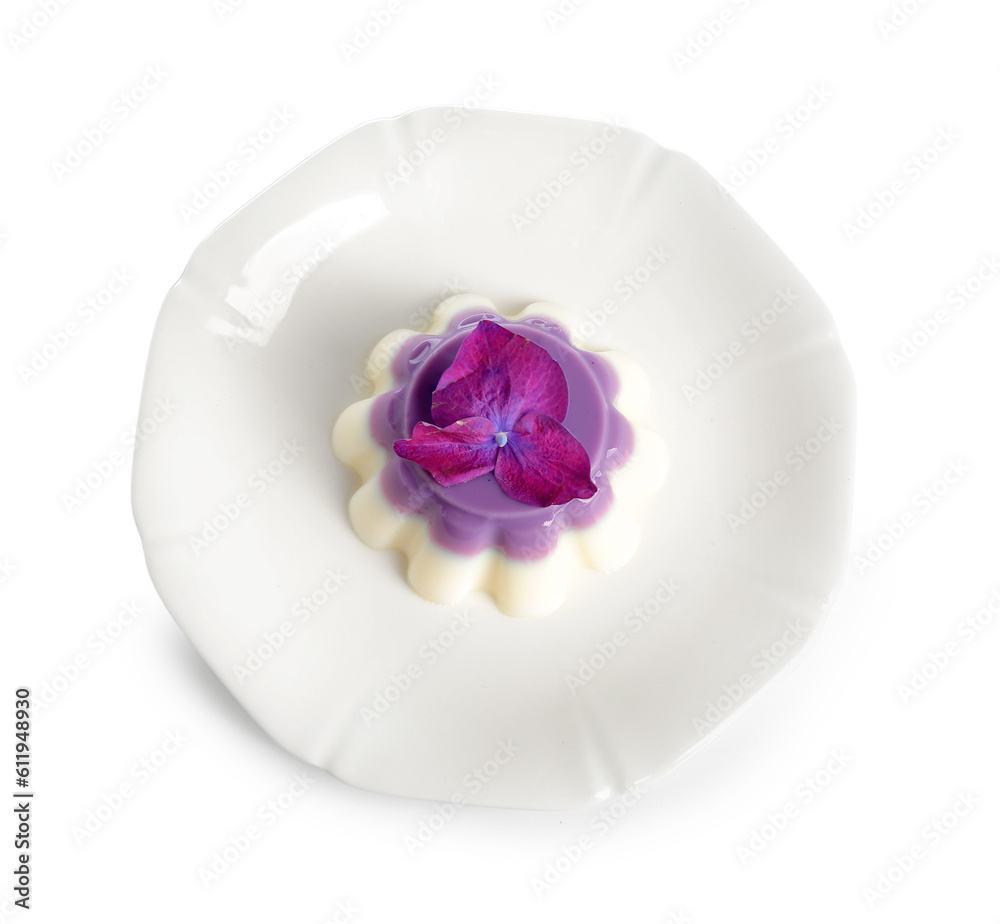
(499, 375)
(459, 453)
(543, 463)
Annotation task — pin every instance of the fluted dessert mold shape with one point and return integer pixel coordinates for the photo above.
(519, 587)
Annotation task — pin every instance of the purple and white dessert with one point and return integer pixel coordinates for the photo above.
(499, 455)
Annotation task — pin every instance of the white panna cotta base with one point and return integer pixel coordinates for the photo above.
(519, 588)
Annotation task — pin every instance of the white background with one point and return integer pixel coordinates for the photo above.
(681, 853)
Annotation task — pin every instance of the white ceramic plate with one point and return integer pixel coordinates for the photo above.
(241, 503)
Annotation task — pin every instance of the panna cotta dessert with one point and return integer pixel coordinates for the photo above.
(500, 455)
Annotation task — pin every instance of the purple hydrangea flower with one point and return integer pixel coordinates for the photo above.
(499, 408)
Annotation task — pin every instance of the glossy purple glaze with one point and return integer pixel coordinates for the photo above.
(470, 517)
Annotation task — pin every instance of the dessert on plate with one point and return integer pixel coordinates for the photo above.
(500, 455)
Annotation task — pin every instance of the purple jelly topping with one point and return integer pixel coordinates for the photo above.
(467, 518)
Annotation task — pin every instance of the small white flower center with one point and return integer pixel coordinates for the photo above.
(501, 438)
